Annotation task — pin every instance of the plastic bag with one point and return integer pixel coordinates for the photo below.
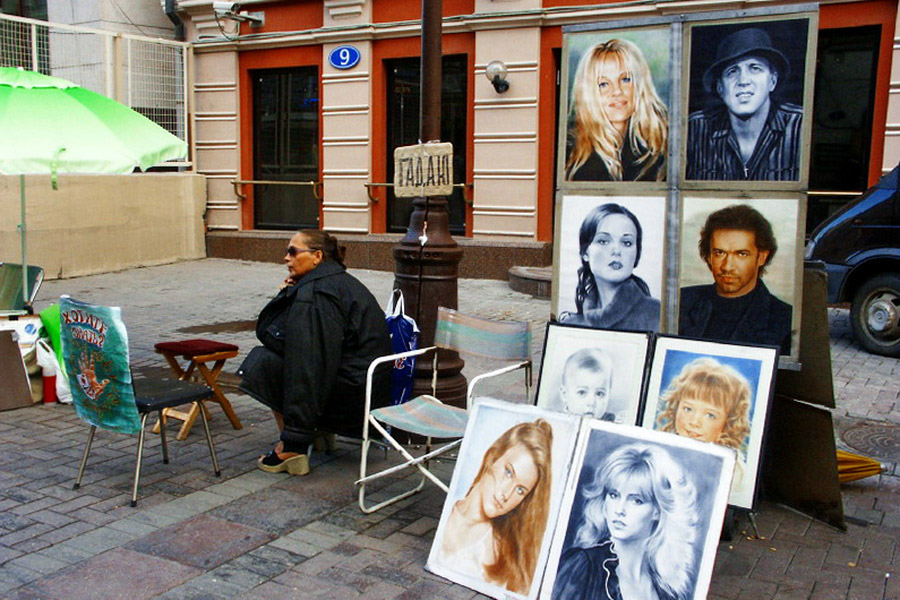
(404, 337)
(46, 358)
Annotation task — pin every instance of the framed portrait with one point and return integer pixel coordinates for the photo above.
(749, 100)
(614, 121)
(717, 393)
(507, 486)
(609, 261)
(593, 372)
(662, 497)
(741, 269)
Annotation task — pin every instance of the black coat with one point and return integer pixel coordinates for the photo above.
(590, 574)
(767, 320)
(594, 169)
(327, 328)
(631, 309)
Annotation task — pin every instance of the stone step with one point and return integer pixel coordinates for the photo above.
(536, 281)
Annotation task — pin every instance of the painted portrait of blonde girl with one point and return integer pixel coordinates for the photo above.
(710, 402)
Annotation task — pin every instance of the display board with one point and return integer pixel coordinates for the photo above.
(703, 119)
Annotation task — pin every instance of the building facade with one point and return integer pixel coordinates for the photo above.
(286, 139)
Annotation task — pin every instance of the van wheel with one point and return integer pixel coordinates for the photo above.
(875, 314)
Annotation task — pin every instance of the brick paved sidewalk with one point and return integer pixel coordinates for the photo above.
(254, 535)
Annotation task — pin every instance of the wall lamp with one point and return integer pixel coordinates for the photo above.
(496, 74)
(232, 11)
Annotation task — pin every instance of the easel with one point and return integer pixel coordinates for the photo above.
(799, 459)
(799, 453)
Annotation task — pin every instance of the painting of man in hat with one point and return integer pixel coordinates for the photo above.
(750, 123)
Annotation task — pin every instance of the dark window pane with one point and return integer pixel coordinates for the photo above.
(846, 68)
(403, 130)
(286, 146)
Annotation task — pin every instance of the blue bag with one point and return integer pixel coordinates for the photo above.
(404, 337)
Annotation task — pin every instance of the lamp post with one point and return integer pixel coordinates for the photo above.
(427, 258)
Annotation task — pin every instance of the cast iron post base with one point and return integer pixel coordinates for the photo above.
(428, 275)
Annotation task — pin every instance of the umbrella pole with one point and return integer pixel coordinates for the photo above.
(25, 295)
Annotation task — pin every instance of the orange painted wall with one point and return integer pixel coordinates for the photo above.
(278, 58)
(388, 11)
(551, 38)
(286, 16)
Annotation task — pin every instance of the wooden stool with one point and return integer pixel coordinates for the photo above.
(198, 353)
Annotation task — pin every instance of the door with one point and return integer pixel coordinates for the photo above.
(843, 108)
(285, 147)
(403, 93)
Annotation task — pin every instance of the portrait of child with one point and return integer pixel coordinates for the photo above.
(716, 393)
(710, 402)
(586, 384)
(595, 373)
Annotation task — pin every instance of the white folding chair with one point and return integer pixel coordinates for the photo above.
(426, 416)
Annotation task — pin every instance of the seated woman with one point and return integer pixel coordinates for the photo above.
(494, 532)
(319, 334)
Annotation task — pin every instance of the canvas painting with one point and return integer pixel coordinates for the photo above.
(717, 393)
(641, 516)
(497, 521)
(608, 268)
(593, 372)
(616, 119)
(741, 271)
(746, 100)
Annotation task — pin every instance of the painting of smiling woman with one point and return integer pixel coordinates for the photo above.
(618, 122)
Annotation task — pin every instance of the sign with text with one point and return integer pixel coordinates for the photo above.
(423, 170)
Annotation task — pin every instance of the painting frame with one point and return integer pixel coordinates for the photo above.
(617, 358)
(697, 473)
(783, 280)
(707, 43)
(651, 266)
(681, 367)
(490, 423)
(653, 39)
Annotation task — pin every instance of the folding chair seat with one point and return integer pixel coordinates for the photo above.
(426, 416)
(95, 354)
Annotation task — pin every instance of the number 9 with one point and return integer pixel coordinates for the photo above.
(344, 56)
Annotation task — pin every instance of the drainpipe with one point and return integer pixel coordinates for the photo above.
(173, 16)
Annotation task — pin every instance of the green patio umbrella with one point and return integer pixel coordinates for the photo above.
(49, 125)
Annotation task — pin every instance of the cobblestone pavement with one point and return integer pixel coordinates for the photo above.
(254, 535)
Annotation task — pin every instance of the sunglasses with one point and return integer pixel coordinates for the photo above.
(292, 251)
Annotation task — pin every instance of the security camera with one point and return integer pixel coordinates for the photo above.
(232, 11)
(226, 7)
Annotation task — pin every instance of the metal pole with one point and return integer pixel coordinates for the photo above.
(22, 229)
(427, 258)
(430, 99)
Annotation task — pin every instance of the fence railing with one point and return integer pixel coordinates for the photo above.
(149, 75)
